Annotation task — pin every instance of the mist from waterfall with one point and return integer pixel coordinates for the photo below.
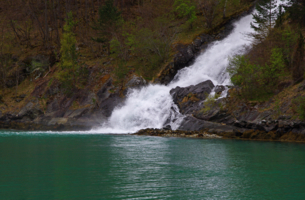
(152, 106)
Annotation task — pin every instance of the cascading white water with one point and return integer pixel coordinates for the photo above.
(151, 106)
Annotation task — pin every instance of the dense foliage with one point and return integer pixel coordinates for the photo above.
(72, 73)
(276, 56)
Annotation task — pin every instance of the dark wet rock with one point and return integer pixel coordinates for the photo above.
(176, 133)
(186, 53)
(167, 127)
(188, 99)
(89, 99)
(76, 113)
(107, 106)
(30, 111)
(201, 90)
(136, 82)
(214, 112)
(104, 93)
(53, 106)
(190, 123)
(219, 89)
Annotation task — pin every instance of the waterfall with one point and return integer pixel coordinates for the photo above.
(152, 106)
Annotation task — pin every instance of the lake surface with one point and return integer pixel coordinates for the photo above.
(88, 166)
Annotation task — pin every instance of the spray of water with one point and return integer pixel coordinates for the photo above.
(152, 106)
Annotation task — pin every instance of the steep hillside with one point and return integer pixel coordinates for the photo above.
(112, 50)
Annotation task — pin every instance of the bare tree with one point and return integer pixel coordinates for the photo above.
(209, 11)
(46, 23)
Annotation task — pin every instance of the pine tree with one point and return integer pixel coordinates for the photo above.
(107, 23)
(264, 17)
(72, 70)
(296, 11)
(298, 60)
(185, 8)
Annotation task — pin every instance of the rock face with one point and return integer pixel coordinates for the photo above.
(219, 89)
(188, 99)
(193, 124)
(184, 57)
(93, 110)
(136, 82)
(30, 111)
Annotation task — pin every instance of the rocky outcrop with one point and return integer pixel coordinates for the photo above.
(176, 133)
(189, 99)
(93, 110)
(216, 116)
(211, 134)
(136, 82)
(190, 123)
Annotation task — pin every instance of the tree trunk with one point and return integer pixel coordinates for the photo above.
(46, 24)
(224, 9)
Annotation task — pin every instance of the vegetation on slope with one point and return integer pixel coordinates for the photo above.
(275, 65)
(43, 48)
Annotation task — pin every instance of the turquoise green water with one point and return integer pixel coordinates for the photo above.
(56, 166)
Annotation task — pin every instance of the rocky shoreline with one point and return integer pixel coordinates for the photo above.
(204, 118)
(210, 134)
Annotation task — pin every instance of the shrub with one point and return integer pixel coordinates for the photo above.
(209, 103)
(73, 72)
(298, 106)
(185, 9)
(256, 81)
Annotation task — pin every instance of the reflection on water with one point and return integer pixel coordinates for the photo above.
(78, 166)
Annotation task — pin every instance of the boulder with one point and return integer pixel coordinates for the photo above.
(219, 89)
(186, 54)
(190, 123)
(188, 99)
(167, 127)
(215, 112)
(136, 82)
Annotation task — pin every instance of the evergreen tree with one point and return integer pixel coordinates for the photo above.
(264, 17)
(298, 60)
(107, 23)
(72, 71)
(296, 11)
(184, 8)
